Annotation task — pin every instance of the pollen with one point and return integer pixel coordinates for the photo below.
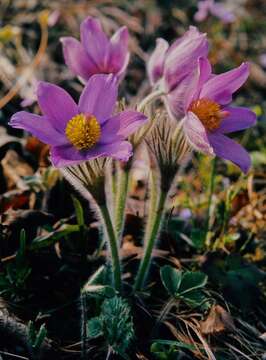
(83, 131)
(209, 113)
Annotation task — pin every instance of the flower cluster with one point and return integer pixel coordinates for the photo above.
(192, 94)
(84, 136)
(199, 98)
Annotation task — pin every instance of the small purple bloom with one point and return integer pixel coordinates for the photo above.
(83, 131)
(169, 65)
(216, 9)
(95, 53)
(208, 117)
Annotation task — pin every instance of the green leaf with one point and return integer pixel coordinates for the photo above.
(31, 332)
(40, 337)
(117, 324)
(94, 327)
(50, 239)
(194, 298)
(98, 277)
(36, 339)
(99, 290)
(198, 237)
(22, 241)
(168, 349)
(171, 279)
(79, 211)
(174, 343)
(191, 281)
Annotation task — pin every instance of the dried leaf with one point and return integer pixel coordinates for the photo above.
(218, 320)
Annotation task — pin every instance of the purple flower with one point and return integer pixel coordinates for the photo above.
(216, 9)
(95, 53)
(169, 65)
(85, 131)
(208, 117)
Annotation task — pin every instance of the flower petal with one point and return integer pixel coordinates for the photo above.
(95, 41)
(77, 59)
(228, 149)
(67, 155)
(179, 99)
(119, 54)
(196, 133)
(221, 87)
(183, 55)
(122, 125)
(99, 96)
(205, 72)
(38, 126)
(56, 104)
(239, 118)
(155, 63)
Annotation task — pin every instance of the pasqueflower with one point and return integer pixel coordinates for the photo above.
(95, 53)
(83, 131)
(167, 66)
(218, 10)
(207, 114)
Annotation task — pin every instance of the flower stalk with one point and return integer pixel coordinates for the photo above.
(152, 237)
(123, 174)
(113, 246)
(211, 190)
(89, 179)
(167, 148)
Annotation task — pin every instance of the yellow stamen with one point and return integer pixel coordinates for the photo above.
(83, 131)
(209, 113)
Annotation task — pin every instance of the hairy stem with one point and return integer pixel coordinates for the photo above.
(121, 197)
(152, 236)
(211, 189)
(152, 202)
(113, 246)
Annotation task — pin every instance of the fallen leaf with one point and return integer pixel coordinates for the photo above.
(218, 320)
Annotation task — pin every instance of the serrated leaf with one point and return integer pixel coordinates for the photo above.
(117, 324)
(191, 281)
(171, 279)
(99, 290)
(94, 327)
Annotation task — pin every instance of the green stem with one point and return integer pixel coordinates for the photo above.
(120, 203)
(211, 190)
(152, 202)
(113, 246)
(155, 228)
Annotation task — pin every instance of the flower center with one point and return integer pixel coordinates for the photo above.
(83, 131)
(209, 113)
